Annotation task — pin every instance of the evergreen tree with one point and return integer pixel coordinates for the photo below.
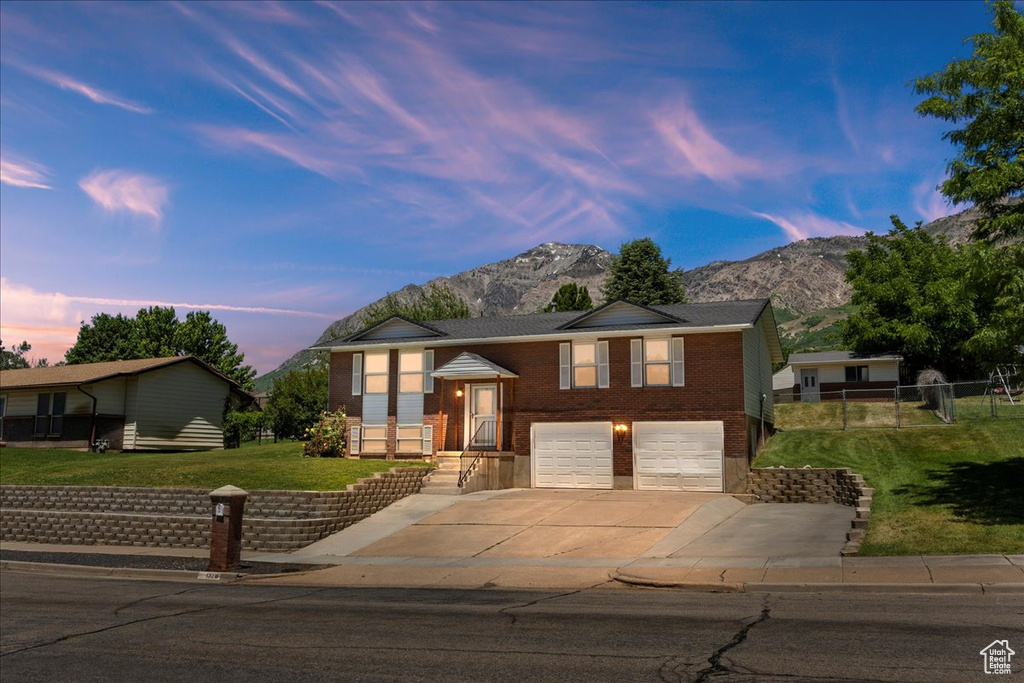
(641, 275)
(570, 297)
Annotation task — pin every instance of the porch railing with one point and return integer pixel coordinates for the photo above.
(465, 471)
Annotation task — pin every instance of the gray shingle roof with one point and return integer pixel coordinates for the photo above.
(690, 315)
(838, 357)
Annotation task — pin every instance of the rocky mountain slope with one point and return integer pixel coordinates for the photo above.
(805, 280)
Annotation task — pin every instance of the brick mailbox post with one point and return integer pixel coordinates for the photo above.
(227, 506)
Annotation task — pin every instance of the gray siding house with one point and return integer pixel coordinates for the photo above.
(172, 403)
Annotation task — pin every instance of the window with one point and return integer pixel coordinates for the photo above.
(410, 439)
(375, 439)
(410, 373)
(657, 363)
(584, 365)
(856, 373)
(50, 413)
(3, 413)
(376, 372)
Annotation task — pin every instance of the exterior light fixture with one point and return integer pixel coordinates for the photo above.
(620, 432)
(458, 393)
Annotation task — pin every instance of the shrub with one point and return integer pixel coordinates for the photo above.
(326, 437)
(242, 426)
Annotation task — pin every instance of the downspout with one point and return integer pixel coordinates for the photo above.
(92, 418)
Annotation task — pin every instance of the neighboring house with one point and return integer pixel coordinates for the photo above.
(833, 371)
(623, 396)
(172, 403)
(782, 384)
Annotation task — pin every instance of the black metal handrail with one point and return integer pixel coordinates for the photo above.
(465, 472)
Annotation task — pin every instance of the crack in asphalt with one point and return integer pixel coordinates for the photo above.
(670, 669)
(114, 627)
(117, 612)
(506, 611)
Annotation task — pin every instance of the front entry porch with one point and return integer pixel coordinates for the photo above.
(477, 405)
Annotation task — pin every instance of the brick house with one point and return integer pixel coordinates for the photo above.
(623, 396)
(174, 403)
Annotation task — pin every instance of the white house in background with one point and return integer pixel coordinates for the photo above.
(782, 384)
(833, 371)
(174, 403)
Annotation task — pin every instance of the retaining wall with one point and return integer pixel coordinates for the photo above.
(180, 518)
(816, 485)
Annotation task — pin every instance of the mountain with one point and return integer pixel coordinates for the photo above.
(805, 279)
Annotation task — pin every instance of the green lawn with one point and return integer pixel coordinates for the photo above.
(252, 467)
(948, 490)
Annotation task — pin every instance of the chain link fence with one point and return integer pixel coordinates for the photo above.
(926, 405)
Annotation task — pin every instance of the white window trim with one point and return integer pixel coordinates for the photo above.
(400, 439)
(367, 374)
(362, 449)
(667, 363)
(401, 373)
(594, 365)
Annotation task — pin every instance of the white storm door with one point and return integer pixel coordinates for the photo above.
(679, 456)
(809, 392)
(572, 455)
(483, 412)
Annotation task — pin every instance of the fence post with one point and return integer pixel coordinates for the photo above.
(896, 400)
(952, 404)
(844, 409)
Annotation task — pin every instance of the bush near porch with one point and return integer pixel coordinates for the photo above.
(949, 490)
(251, 467)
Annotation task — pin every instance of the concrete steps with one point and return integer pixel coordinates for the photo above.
(444, 480)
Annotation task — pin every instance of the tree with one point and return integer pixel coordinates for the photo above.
(570, 297)
(437, 302)
(205, 338)
(14, 357)
(984, 94)
(108, 338)
(296, 401)
(959, 311)
(156, 332)
(640, 275)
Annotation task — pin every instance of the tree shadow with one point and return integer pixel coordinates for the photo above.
(984, 493)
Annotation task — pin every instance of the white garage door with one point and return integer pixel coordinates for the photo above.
(572, 455)
(679, 456)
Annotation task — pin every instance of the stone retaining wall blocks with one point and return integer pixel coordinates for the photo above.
(180, 518)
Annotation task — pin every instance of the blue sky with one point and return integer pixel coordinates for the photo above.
(285, 163)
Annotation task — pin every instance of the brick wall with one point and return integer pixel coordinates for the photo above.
(180, 518)
(713, 391)
(816, 485)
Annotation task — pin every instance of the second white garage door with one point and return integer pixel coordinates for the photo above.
(572, 455)
(679, 456)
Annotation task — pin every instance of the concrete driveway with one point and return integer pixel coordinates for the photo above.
(580, 528)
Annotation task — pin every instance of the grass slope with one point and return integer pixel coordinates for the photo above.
(252, 467)
(947, 490)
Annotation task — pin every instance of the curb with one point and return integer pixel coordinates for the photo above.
(49, 568)
(780, 587)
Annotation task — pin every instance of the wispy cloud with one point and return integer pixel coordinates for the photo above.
(118, 190)
(23, 173)
(804, 224)
(65, 82)
(699, 152)
(929, 203)
(843, 114)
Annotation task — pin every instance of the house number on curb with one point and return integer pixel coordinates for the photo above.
(208, 576)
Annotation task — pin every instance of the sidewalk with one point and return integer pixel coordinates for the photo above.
(948, 574)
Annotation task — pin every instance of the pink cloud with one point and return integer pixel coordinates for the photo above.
(805, 224)
(929, 203)
(698, 152)
(22, 173)
(118, 190)
(98, 96)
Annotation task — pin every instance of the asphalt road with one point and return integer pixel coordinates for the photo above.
(70, 629)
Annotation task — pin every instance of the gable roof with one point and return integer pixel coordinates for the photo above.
(90, 373)
(839, 357)
(679, 318)
(619, 312)
(396, 327)
(468, 365)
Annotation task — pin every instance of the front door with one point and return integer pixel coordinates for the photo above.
(483, 416)
(809, 392)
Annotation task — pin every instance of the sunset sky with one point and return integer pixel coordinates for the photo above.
(282, 164)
